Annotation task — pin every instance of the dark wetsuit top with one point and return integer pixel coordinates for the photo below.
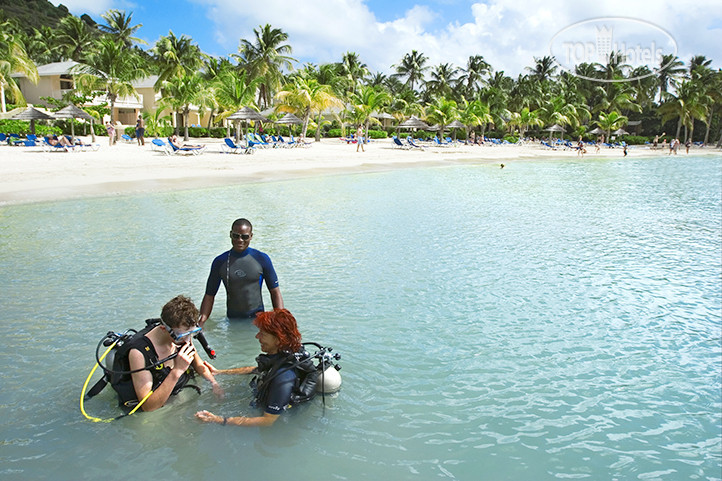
(277, 395)
(245, 274)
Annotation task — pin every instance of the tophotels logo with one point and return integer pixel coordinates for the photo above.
(636, 45)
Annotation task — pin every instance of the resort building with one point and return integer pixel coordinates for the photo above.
(56, 79)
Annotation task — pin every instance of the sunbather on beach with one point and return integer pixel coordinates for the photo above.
(55, 140)
(174, 140)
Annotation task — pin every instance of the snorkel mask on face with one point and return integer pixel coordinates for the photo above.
(181, 338)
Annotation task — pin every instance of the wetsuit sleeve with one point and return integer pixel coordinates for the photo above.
(279, 394)
(269, 273)
(214, 278)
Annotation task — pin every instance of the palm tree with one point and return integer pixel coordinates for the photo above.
(412, 67)
(266, 58)
(74, 38)
(443, 77)
(474, 113)
(544, 68)
(557, 111)
(112, 69)
(611, 121)
(442, 111)
(304, 97)
(476, 69)
(180, 93)
(689, 103)
(118, 26)
(13, 58)
(525, 119)
(366, 101)
(670, 70)
(234, 89)
(175, 57)
(353, 70)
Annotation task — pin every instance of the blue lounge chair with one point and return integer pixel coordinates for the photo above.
(400, 145)
(185, 150)
(301, 143)
(439, 143)
(230, 147)
(413, 144)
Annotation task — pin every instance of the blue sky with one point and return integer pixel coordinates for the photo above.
(508, 33)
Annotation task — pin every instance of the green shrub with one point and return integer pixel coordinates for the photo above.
(635, 139)
(378, 134)
(334, 133)
(511, 138)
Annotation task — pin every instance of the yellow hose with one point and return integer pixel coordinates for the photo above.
(82, 393)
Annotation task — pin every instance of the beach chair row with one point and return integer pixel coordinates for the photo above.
(49, 144)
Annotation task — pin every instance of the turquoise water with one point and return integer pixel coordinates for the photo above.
(550, 320)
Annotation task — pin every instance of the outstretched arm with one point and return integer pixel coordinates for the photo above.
(265, 420)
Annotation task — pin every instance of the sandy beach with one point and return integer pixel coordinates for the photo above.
(29, 174)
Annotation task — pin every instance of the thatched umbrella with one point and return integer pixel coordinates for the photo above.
(554, 128)
(596, 131)
(456, 125)
(620, 132)
(289, 119)
(246, 114)
(74, 112)
(32, 114)
(413, 122)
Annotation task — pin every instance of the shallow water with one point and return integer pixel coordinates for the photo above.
(554, 319)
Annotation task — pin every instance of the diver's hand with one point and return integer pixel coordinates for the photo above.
(218, 391)
(185, 357)
(211, 368)
(209, 417)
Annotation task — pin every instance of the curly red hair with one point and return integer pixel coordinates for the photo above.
(281, 324)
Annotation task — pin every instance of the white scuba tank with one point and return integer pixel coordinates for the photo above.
(329, 381)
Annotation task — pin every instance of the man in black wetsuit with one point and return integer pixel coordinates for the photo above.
(242, 271)
(172, 335)
(279, 338)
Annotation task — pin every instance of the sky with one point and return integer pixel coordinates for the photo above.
(509, 34)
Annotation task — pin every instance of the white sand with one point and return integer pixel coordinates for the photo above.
(28, 174)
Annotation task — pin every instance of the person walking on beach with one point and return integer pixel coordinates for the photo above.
(111, 133)
(360, 138)
(140, 130)
(688, 144)
(242, 270)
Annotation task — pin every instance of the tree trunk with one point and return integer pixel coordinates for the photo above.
(2, 97)
(318, 127)
(709, 126)
(679, 127)
(186, 112)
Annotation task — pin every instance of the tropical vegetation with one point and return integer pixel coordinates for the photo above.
(682, 99)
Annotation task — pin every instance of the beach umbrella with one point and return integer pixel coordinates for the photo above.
(32, 114)
(554, 128)
(72, 111)
(596, 131)
(413, 122)
(246, 114)
(620, 132)
(456, 125)
(289, 119)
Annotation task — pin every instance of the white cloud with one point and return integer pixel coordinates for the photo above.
(508, 33)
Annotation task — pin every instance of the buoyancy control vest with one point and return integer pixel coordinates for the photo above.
(121, 380)
(269, 367)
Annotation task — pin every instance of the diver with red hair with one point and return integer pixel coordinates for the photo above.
(285, 374)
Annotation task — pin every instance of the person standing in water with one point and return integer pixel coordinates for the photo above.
(242, 270)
